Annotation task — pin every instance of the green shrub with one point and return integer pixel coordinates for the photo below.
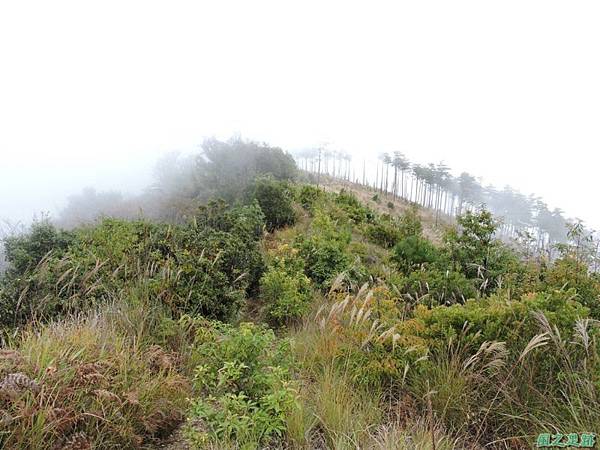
(438, 287)
(324, 249)
(475, 252)
(356, 211)
(498, 319)
(286, 292)
(509, 360)
(65, 279)
(568, 273)
(410, 223)
(413, 252)
(324, 261)
(27, 255)
(275, 200)
(308, 196)
(248, 221)
(244, 383)
(211, 264)
(205, 267)
(384, 231)
(24, 252)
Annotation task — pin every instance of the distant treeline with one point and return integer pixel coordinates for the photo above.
(526, 219)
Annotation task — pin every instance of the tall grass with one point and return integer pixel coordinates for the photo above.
(98, 380)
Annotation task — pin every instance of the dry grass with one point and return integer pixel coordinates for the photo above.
(86, 383)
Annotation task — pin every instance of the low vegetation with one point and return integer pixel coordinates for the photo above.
(291, 317)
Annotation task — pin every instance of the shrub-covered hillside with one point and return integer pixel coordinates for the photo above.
(271, 313)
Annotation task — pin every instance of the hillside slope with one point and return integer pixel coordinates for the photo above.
(303, 317)
(434, 224)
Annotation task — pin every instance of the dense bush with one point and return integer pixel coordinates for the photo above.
(475, 252)
(410, 224)
(568, 273)
(24, 252)
(384, 231)
(413, 252)
(244, 383)
(228, 240)
(284, 288)
(36, 262)
(324, 249)
(308, 196)
(207, 266)
(275, 200)
(356, 211)
(324, 260)
(437, 287)
(497, 319)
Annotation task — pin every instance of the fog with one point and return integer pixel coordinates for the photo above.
(93, 96)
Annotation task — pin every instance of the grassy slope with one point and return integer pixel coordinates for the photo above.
(334, 412)
(431, 230)
(120, 376)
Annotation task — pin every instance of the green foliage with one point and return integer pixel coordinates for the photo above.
(414, 252)
(247, 221)
(231, 236)
(324, 249)
(285, 290)
(324, 260)
(568, 273)
(356, 211)
(207, 266)
(437, 287)
(410, 223)
(384, 231)
(308, 196)
(475, 253)
(498, 319)
(275, 200)
(244, 383)
(24, 252)
(510, 360)
(471, 245)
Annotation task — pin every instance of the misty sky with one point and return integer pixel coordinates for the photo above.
(91, 93)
